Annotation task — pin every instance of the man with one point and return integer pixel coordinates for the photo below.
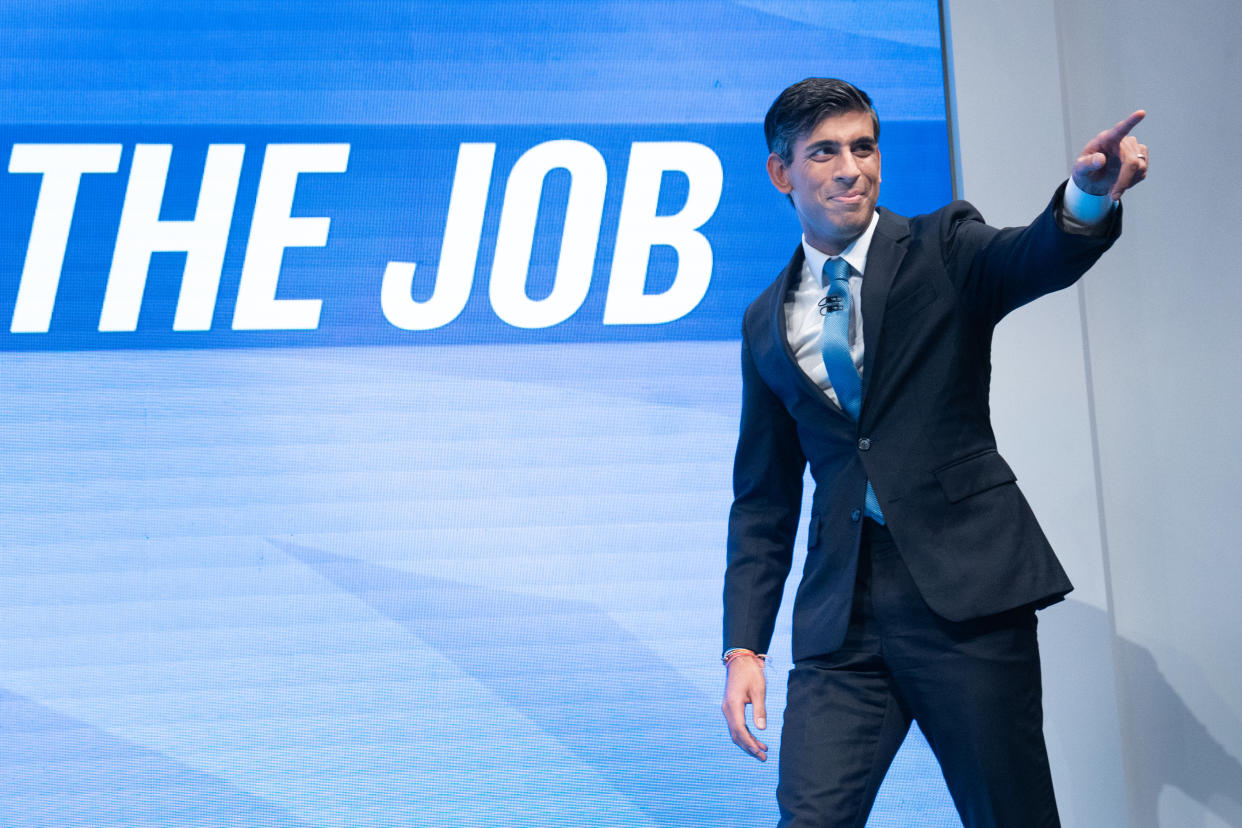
(868, 358)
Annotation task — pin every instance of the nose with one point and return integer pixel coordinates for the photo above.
(847, 168)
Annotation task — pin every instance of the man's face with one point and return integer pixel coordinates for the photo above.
(833, 179)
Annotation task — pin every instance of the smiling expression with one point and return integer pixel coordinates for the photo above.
(833, 179)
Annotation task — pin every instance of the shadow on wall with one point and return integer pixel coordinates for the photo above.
(1171, 746)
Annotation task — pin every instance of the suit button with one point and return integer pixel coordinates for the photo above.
(864, 444)
(855, 515)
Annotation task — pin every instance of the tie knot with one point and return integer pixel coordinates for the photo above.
(836, 270)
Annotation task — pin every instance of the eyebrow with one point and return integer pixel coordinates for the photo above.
(866, 141)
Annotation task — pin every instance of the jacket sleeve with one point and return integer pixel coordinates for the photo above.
(767, 496)
(998, 271)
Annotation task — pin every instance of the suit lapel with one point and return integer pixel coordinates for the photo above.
(789, 282)
(888, 248)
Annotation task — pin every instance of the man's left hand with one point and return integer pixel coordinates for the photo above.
(1113, 161)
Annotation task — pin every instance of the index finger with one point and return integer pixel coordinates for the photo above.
(1123, 127)
(747, 742)
(735, 716)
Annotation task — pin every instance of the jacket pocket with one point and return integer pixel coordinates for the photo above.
(972, 475)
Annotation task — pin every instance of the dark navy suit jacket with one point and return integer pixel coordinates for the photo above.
(933, 290)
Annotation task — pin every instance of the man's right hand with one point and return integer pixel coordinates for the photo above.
(746, 685)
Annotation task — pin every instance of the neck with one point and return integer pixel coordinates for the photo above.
(831, 248)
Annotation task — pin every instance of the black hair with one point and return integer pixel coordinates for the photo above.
(798, 109)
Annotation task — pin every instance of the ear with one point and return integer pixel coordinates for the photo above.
(779, 173)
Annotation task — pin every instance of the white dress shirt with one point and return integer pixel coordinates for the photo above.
(1081, 212)
(803, 321)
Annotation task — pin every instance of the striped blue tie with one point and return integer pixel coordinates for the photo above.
(834, 344)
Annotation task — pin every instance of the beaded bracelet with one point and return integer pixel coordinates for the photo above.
(738, 651)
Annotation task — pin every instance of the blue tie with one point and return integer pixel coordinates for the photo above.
(834, 344)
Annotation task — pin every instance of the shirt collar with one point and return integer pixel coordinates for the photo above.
(855, 254)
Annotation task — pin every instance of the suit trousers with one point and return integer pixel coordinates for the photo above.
(973, 687)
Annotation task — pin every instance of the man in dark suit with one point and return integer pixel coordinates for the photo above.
(869, 359)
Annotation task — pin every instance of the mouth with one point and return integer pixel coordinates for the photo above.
(847, 198)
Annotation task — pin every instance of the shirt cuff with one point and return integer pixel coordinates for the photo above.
(1084, 208)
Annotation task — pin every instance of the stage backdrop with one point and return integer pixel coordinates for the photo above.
(368, 390)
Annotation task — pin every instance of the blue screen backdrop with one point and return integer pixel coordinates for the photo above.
(370, 387)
